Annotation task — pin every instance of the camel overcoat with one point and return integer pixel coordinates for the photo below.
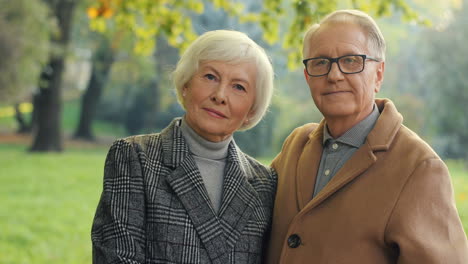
(155, 208)
(391, 202)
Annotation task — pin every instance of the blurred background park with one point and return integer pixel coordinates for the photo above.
(77, 74)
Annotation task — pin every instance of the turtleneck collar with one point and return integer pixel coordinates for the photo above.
(201, 147)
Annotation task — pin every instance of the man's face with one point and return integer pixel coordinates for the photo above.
(339, 96)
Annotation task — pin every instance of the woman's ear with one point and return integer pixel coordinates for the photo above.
(184, 90)
(249, 117)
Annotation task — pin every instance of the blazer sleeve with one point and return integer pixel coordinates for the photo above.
(118, 233)
(424, 226)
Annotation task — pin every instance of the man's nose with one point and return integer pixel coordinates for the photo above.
(335, 73)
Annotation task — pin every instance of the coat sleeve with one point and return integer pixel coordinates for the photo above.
(118, 233)
(424, 226)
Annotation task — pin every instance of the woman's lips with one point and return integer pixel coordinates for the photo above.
(214, 113)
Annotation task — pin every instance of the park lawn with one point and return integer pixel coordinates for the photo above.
(459, 173)
(48, 203)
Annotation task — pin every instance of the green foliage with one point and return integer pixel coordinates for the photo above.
(148, 19)
(443, 52)
(25, 30)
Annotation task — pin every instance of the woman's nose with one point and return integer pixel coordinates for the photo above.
(219, 94)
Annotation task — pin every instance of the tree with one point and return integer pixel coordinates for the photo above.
(448, 83)
(102, 61)
(47, 102)
(24, 44)
(149, 18)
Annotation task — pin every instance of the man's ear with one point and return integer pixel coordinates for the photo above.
(379, 76)
(306, 75)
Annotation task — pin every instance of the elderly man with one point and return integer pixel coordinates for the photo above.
(359, 187)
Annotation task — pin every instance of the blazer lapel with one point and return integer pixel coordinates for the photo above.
(239, 196)
(187, 184)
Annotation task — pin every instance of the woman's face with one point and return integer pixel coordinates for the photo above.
(219, 98)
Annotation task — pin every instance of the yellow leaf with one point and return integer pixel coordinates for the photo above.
(107, 13)
(92, 12)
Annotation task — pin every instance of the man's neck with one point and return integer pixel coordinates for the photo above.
(338, 125)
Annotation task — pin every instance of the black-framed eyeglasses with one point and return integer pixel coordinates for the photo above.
(348, 64)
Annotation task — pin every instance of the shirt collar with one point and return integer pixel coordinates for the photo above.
(357, 135)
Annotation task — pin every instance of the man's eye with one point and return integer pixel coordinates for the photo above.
(349, 60)
(320, 62)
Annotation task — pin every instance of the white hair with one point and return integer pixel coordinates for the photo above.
(231, 47)
(376, 43)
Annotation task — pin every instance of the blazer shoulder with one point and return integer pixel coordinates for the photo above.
(138, 148)
(256, 168)
(141, 143)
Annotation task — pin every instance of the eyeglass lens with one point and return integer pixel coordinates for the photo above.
(347, 64)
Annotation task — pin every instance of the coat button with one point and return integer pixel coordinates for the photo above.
(294, 241)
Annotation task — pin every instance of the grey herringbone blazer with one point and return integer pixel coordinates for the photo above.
(155, 208)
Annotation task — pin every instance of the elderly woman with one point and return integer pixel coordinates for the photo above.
(189, 194)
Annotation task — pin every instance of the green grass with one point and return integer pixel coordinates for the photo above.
(459, 173)
(48, 203)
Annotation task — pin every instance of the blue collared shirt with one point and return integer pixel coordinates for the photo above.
(337, 151)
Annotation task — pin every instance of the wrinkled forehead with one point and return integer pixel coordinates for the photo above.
(337, 37)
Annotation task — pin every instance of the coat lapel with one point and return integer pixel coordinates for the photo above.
(187, 184)
(239, 196)
(308, 165)
(379, 139)
(362, 159)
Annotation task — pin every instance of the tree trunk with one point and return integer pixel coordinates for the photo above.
(102, 63)
(23, 126)
(48, 105)
(47, 132)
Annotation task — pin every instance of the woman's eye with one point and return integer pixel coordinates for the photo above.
(210, 76)
(239, 87)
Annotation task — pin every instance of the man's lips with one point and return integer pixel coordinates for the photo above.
(214, 113)
(335, 92)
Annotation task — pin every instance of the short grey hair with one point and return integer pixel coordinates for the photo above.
(232, 47)
(366, 22)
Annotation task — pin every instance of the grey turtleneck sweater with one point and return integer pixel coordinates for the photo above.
(210, 158)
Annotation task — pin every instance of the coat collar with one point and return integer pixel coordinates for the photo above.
(379, 139)
(217, 232)
(174, 147)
